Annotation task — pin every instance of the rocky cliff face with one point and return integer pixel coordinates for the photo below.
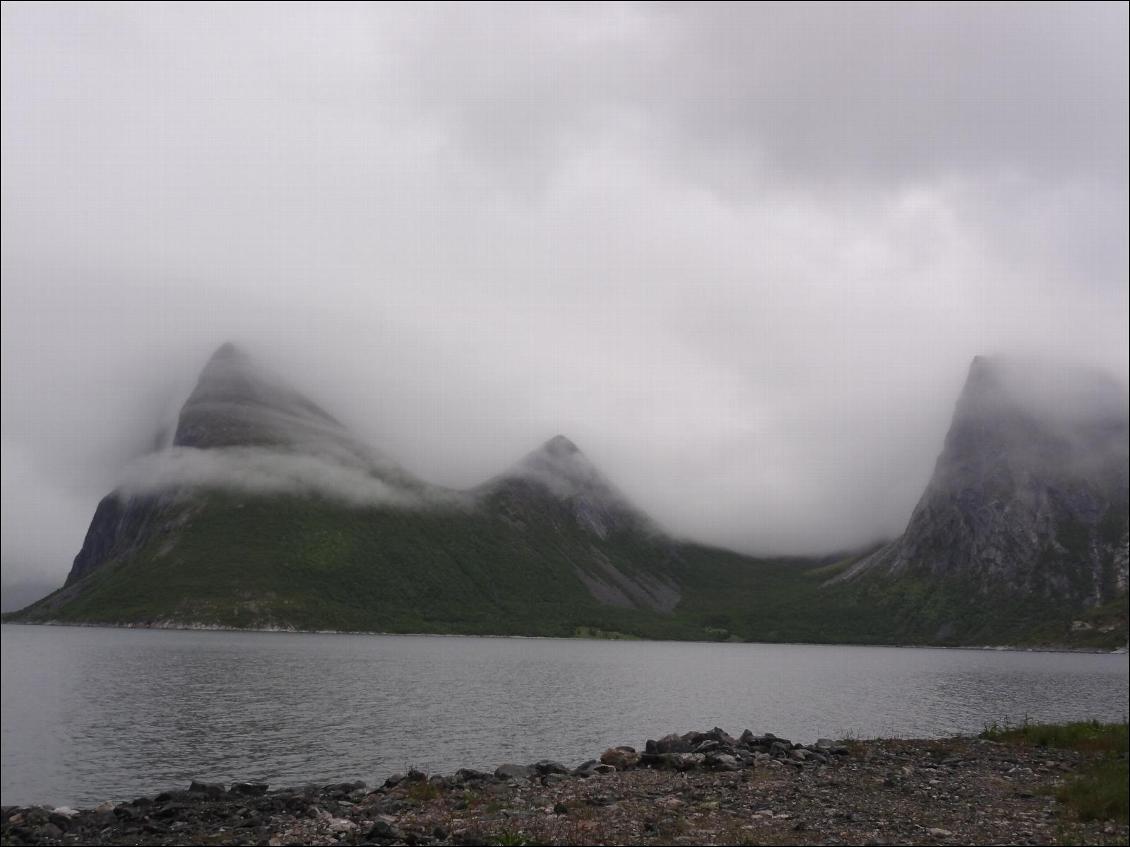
(119, 526)
(1029, 495)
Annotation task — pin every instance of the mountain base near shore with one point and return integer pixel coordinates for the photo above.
(699, 788)
(265, 512)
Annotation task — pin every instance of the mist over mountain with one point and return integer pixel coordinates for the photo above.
(794, 327)
(1030, 491)
(264, 511)
(243, 428)
(1028, 501)
(560, 470)
(746, 285)
(237, 403)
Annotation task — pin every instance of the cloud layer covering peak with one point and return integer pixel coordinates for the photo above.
(743, 253)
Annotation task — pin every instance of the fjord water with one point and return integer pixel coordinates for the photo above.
(92, 714)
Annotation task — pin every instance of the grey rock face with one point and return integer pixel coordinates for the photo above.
(1029, 495)
(119, 525)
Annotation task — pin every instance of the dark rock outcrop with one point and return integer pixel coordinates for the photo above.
(121, 524)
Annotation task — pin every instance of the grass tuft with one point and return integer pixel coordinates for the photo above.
(1101, 791)
(422, 792)
(1089, 736)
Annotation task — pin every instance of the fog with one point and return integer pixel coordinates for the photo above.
(260, 471)
(1060, 395)
(741, 255)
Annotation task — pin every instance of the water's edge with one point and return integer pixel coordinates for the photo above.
(629, 797)
(109, 712)
(188, 626)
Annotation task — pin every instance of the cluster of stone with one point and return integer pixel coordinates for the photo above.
(253, 812)
(720, 751)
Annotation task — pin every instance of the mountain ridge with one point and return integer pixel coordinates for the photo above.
(1026, 511)
(1013, 477)
(257, 535)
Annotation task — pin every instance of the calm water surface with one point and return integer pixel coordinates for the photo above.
(93, 714)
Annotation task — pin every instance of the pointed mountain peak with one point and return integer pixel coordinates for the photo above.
(982, 385)
(228, 355)
(557, 465)
(1045, 390)
(559, 461)
(559, 470)
(559, 445)
(980, 368)
(1035, 460)
(992, 374)
(227, 350)
(230, 371)
(238, 403)
(1032, 418)
(231, 376)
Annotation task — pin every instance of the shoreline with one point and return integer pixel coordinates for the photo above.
(699, 787)
(202, 627)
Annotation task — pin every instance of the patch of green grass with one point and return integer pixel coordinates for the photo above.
(1093, 736)
(510, 568)
(422, 792)
(1102, 790)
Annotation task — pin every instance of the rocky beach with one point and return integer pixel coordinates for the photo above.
(696, 788)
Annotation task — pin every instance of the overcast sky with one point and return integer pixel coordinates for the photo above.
(742, 255)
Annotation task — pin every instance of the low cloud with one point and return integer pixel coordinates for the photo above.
(262, 471)
(742, 254)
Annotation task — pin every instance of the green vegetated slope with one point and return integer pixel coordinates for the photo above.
(1012, 544)
(793, 601)
(314, 564)
(956, 611)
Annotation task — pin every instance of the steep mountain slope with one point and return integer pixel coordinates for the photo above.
(237, 403)
(249, 420)
(265, 511)
(1023, 525)
(557, 486)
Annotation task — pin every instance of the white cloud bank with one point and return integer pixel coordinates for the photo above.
(742, 254)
